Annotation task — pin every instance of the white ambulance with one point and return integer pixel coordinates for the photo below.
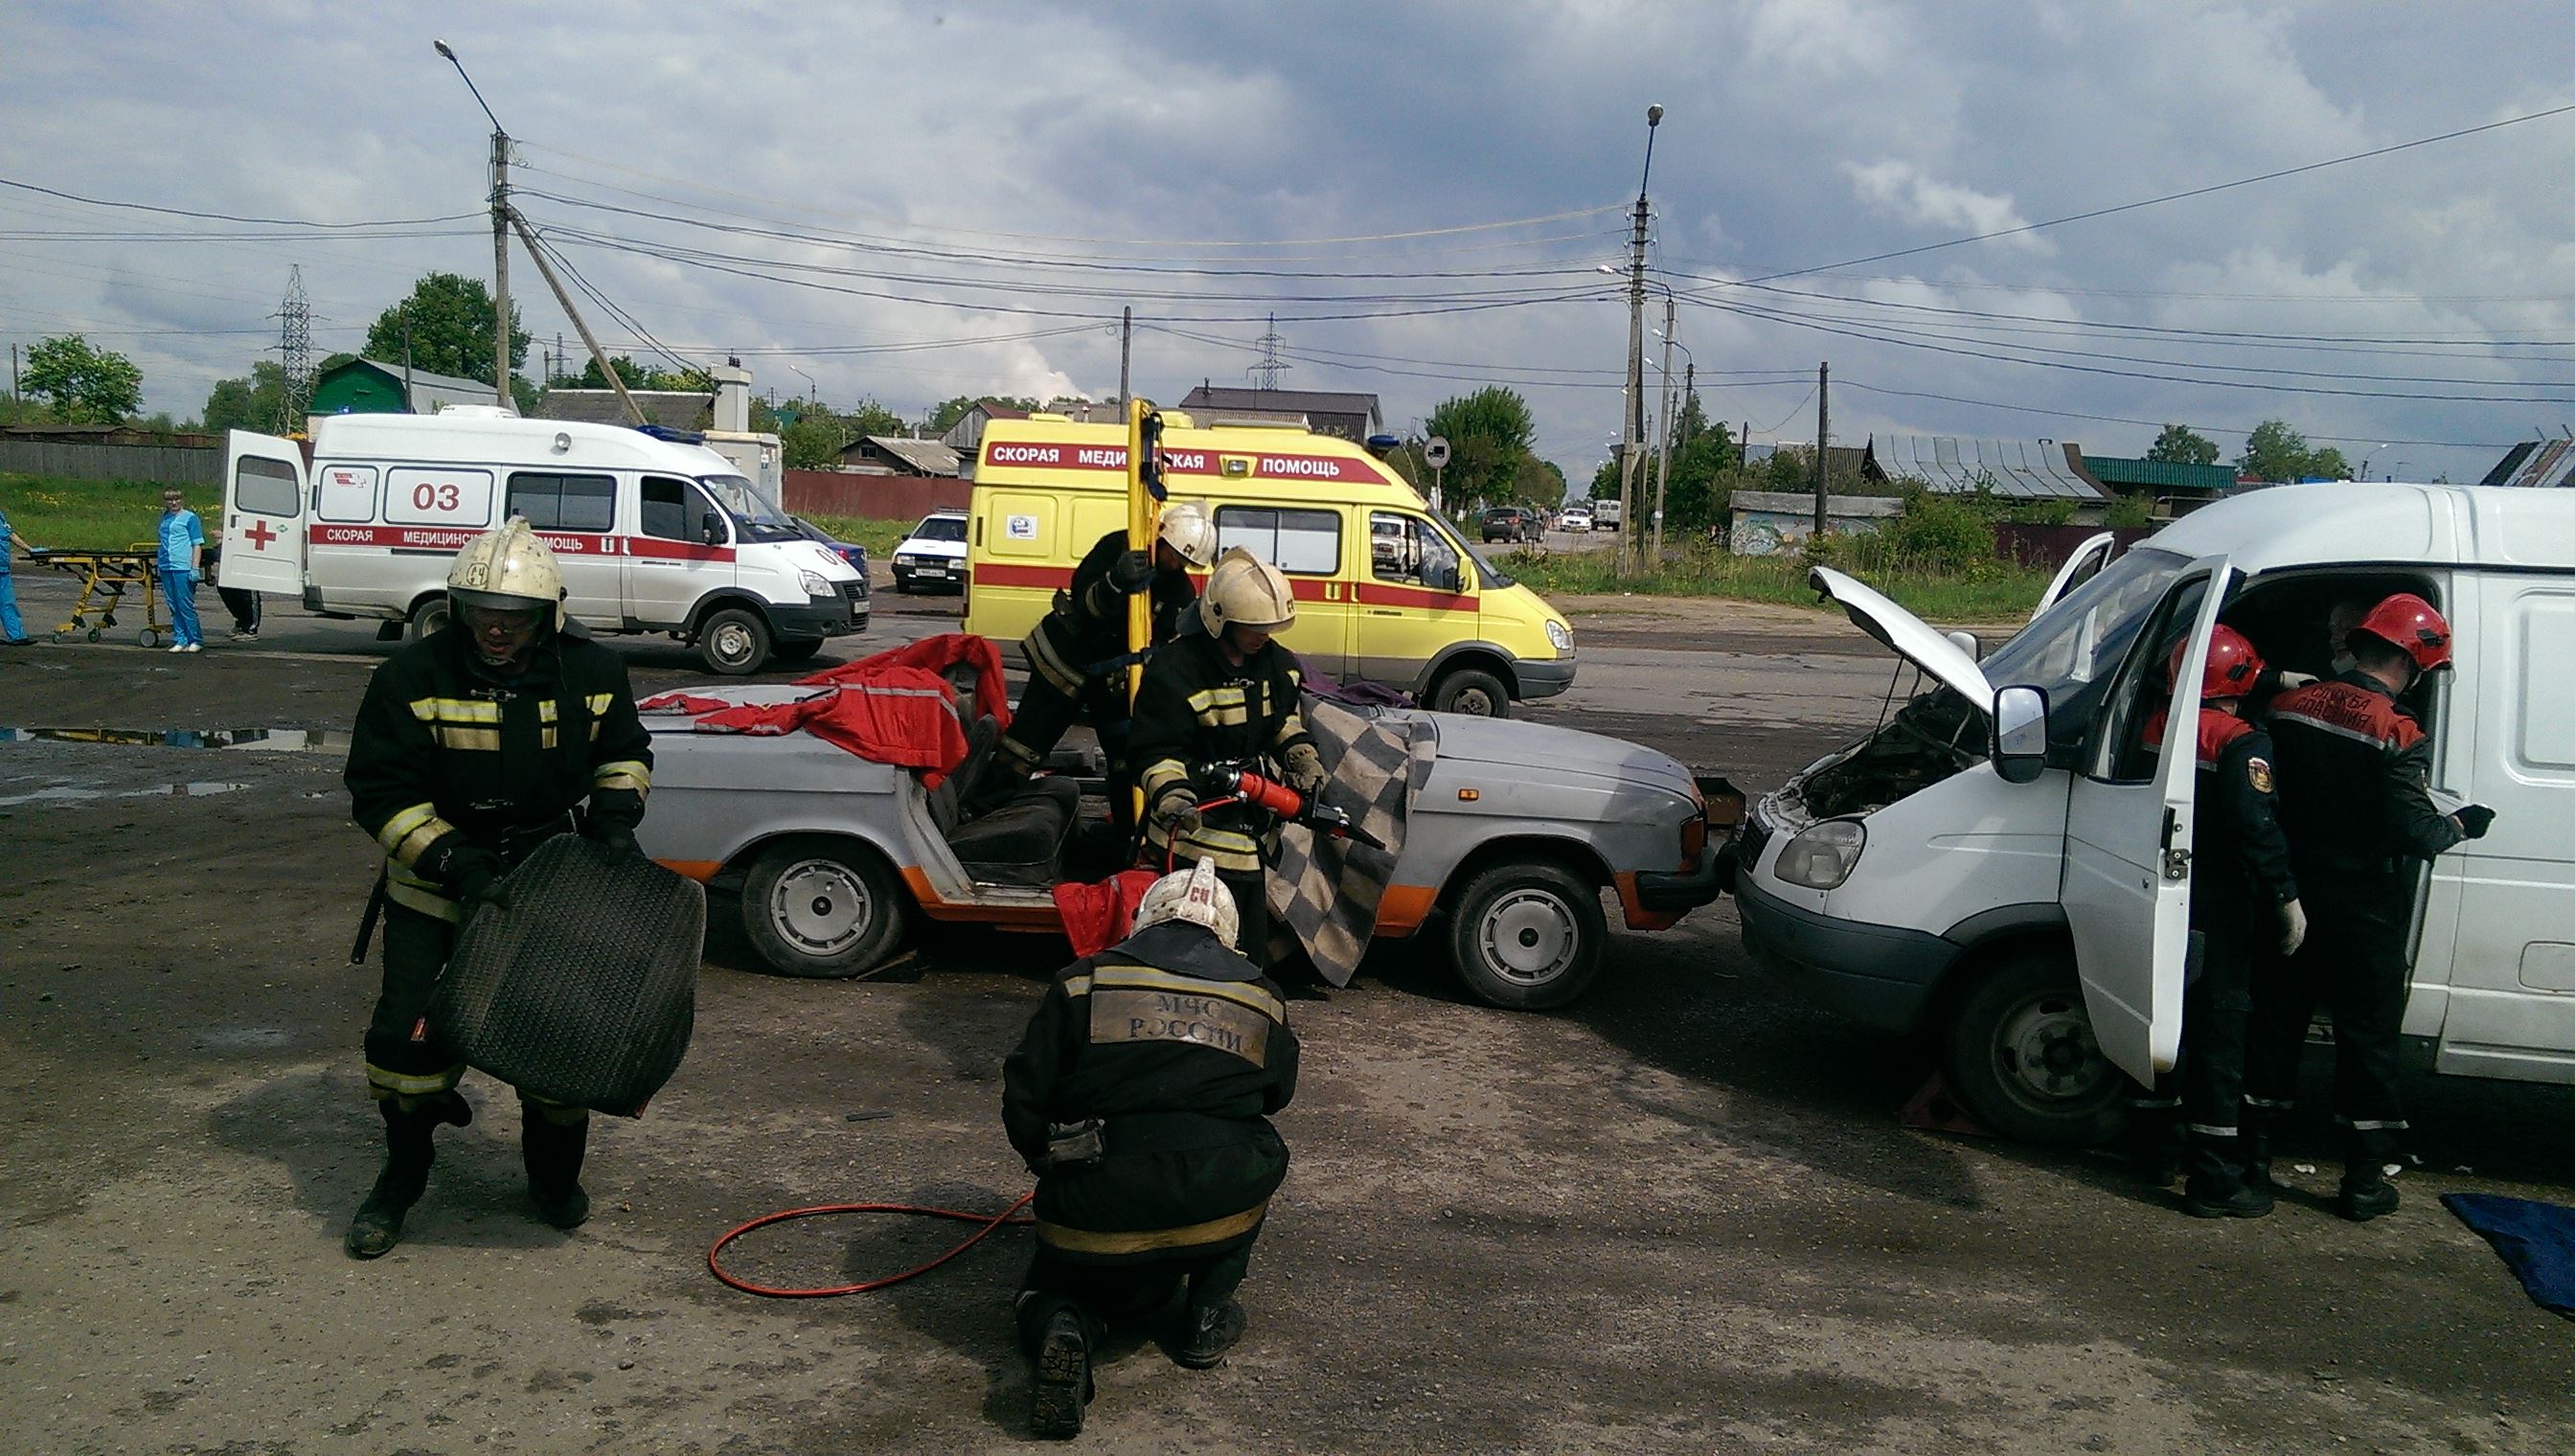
(655, 533)
(2005, 863)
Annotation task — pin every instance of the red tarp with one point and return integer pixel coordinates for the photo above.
(1096, 917)
(894, 708)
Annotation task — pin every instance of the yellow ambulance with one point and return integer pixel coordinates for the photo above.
(1387, 591)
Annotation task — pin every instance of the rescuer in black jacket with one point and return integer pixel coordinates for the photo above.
(2243, 901)
(1229, 695)
(1077, 656)
(474, 745)
(2355, 802)
(1138, 1096)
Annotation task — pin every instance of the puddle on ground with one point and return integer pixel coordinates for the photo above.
(72, 793)
(273, 740)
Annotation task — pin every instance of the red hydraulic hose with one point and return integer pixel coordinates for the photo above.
(990, 1221)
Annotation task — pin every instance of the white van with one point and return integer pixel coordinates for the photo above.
(654, 532)
(2005, 864)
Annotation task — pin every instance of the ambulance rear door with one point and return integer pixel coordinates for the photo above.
(264, 497)
(2126, 890)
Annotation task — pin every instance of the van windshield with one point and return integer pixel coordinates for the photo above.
(2075, 649)
(1488, 574)
(755, 516)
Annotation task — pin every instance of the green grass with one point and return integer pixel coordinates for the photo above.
(94, 515)
(879, 537)
(1982, 592)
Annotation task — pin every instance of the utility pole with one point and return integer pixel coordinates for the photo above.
(1125, 351)
(294, 353)
(580, 325)
(1823, 436)
(500, 235)
(13, 375)
(1264, 375)
(1663, 443)
(406, 322)
(1634, 427)
(563, 361)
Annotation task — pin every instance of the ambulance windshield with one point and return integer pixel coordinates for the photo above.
(755, 516)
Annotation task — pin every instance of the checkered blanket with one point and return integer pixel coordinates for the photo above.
(1325, 892)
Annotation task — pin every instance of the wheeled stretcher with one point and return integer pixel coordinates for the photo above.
(106, 576)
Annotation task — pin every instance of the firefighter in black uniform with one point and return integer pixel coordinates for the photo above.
(2243, 899)
(1228, 696)
(2356, 802)
(1076, 653)
(1140, 1097)
(475, 744)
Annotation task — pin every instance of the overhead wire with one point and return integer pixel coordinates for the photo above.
(182, 212)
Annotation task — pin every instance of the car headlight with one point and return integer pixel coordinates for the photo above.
(906, 561)
(1823, 856)
(1562, 636)
(814, 584)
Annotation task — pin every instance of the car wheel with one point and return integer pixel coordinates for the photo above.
(2019, 1054)
(820, 907)
(1527, 936)
(796, 651)
(902, 584)
(1472, 691)
(732, 640)
(429, 618)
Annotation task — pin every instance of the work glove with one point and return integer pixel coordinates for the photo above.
(612, 835)
(2293, 927)
(2474, 819)
(1131, 572)
(2295, 680)
(475, 875)
(1304, 770)
(1177, 815)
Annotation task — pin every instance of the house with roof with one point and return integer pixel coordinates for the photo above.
(380, 387)
(1351, 417)
(893, 455)
(670, 409)
(2179, 486)
(965, 436)
(2016, 470)
(2537, 464)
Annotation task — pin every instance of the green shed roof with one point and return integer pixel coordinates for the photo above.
(2116, 470)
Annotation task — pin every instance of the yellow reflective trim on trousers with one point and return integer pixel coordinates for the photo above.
(385, 1083)
(403, 822)
(1145, 1240)
(1147, 978)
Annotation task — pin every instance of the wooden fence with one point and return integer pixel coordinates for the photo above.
(163, 464)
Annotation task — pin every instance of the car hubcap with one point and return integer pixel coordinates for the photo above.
(820, 907)
(1474, 702)
(1528, 937)
(732, 643)
(2047, 1051)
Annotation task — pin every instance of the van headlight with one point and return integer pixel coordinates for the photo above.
(1562, 636)
(1823, 855)
(814, 584)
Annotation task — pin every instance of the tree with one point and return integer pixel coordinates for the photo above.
(2180, 445)
(85, 385)
(451, 328)
(1538, 482)
(2274, 451)
(251, 403)
(1489, 435)
(1692, 502)
(950, 411)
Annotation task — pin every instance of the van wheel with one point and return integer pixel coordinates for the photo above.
(1527, 936)
(796, 651)
(821, 909)
(1472, 691)
(2019, 1053)
(429, 617)
(732, 642)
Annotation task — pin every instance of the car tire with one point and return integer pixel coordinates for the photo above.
(822, 908)
(429, 617)
(902, 584)
(796, 651)
(1472, 691)
(1527, 936)
(732, 640)
(2019, 1054)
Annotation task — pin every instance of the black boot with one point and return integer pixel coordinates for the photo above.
(1209, 1332)
(2219, 1186)
(1061, 1384)
(2257, 1153)
(553, 1152)
(409, 1151)
(2366, 1193)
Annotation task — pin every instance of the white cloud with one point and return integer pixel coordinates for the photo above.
(1907, 192)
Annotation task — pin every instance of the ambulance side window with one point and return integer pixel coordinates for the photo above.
(1406, 549)
(672, 509)
(564, 503)
(1298, 541)
(2141, 688)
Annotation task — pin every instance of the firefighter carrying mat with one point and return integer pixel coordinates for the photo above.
(583, 990)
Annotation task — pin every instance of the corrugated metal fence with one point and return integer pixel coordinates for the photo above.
(165, 464)
(872, 498)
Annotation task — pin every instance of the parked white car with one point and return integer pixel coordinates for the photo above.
(1575, 517)
(933, 558)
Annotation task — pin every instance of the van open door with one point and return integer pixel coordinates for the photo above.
(264, 497)
(2126, 890)
(2086, 564)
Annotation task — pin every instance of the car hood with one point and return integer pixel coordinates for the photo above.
(1538, 748)
(1913, 639)
(921, 545)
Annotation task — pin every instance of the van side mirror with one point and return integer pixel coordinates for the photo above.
(711, 529)
(2019, 746)
(1966, 642)
(1440, 573)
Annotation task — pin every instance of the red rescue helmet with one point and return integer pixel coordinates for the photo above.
(2408, 623)
(2231, 668)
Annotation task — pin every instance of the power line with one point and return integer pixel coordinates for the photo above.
(2159, 424)
(181, 212)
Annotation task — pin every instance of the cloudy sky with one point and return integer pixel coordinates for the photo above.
(914, 201)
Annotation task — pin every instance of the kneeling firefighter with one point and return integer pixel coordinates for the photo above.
(1231, 695)
(474, 745)
(1138, 1097)
(1078, 653)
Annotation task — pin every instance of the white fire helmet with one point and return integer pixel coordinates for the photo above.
(1186, 528)
(1245, 591)
(509, 570)
(1193, 894)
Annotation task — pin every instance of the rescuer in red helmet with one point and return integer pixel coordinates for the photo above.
(2242, 898)
(2355, 800)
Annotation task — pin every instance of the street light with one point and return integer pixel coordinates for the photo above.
(808, 388)
(2366, 460)
(500, 233)
(1635, 423)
